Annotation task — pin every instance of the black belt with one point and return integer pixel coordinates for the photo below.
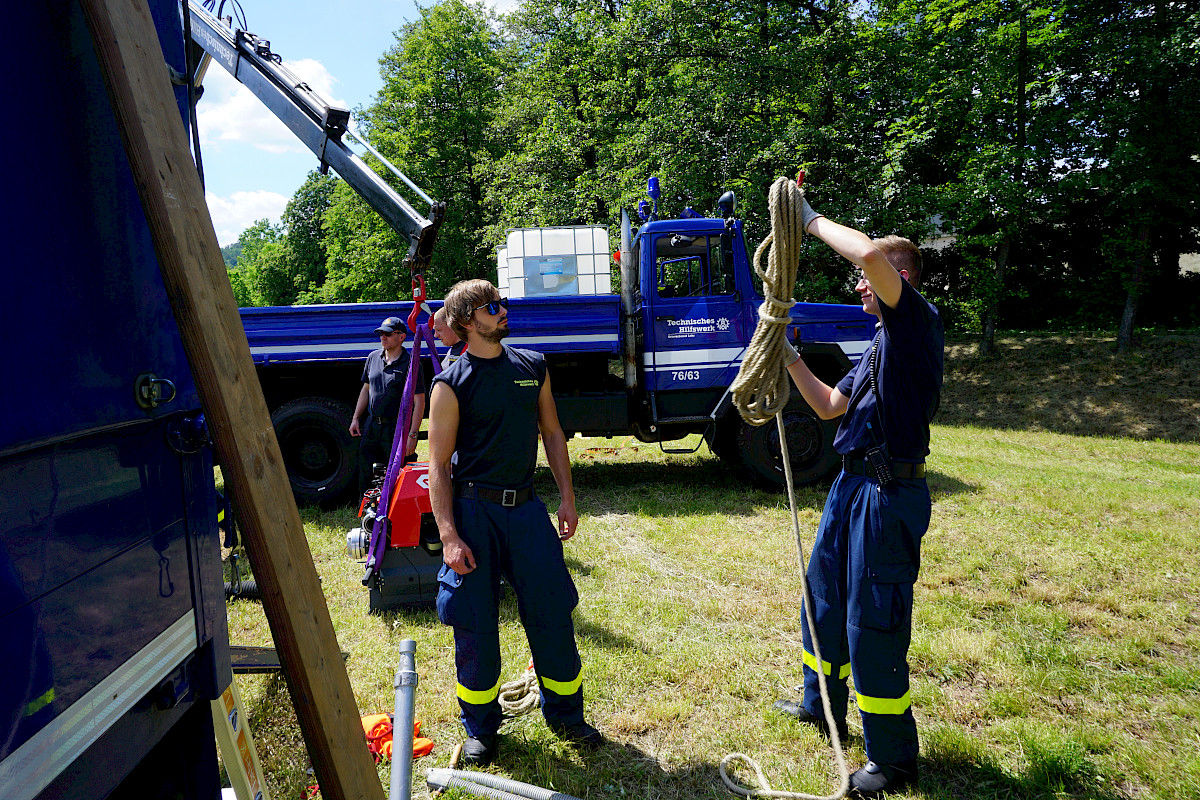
(858, 465)
(384, 420)
(505, 497)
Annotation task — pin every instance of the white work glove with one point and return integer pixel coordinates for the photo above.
(790, 354)
(807, 214)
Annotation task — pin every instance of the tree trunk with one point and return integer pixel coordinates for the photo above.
(987, 346)
(1125, 334)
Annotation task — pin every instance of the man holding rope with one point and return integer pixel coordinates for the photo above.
(867, 551)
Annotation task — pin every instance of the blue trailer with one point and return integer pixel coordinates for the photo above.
(112, 605)
(654, 362)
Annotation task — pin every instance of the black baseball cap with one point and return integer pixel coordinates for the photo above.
(390, 325)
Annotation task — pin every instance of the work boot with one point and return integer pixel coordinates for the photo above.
(876, 780)
(480, 750)
(794, 709)
(580, 734)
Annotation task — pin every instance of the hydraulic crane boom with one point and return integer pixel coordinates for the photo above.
(318, 124)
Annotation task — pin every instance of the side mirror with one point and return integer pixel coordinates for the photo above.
(727, 204)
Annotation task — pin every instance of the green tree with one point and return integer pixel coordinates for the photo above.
(433, 119)
(303, 219)
(1130, 88)
(245, 277)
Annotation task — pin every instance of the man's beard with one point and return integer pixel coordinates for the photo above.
(495, 334)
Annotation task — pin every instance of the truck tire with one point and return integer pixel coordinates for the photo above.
(319, 453)
(810, 446)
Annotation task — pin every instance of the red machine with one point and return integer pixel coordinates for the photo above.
(410, 559)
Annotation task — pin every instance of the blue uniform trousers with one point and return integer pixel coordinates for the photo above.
(861, 574)
(521, 544)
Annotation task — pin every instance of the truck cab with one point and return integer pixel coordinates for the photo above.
(694, 312)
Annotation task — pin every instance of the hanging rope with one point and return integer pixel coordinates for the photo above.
(761, 391)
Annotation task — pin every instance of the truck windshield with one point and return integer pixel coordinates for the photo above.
(693, 266)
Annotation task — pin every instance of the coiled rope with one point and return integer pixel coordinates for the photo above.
(762, 388)
(522, 695)
(761, 391)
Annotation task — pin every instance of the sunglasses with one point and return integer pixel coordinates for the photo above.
(390, 333)
(493, 307)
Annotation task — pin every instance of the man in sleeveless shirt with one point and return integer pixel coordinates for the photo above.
(489, 406)
(867, 552)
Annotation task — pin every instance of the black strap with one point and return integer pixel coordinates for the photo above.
(505, 497)
(907, 470)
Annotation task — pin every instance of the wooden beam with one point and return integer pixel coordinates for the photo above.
(139, 88)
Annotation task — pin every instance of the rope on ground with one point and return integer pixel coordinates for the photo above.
(522, 695)
(761, 391)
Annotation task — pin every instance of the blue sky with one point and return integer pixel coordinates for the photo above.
(252, 163)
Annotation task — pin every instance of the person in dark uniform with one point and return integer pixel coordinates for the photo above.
(868, 547)
(383, 378)
(447, 336)
(489, 406)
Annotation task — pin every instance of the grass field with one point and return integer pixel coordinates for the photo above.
(1056, 643)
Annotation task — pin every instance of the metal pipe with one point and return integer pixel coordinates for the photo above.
(485, 784)
(402, 722)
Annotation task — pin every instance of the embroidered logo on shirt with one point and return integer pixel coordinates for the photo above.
(525, 383)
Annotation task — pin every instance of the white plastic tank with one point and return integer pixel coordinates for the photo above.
(555, 261)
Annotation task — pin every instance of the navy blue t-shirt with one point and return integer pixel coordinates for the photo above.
(387, 383)
(910, 345)
(497, 416)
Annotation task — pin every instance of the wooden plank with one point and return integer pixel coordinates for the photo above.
(194, 272)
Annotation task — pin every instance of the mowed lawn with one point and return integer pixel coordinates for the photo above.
(1056, 643)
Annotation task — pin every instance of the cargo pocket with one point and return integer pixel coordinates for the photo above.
(449, 598)
(893, 557)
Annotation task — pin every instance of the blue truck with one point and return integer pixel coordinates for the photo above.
(112, 604)
(654, 361)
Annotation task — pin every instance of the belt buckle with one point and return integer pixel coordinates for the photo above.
(508, 498)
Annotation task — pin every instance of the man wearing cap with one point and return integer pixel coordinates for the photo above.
(489, 406)
(383, 378)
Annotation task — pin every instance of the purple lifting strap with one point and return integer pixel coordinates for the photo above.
(380, 533)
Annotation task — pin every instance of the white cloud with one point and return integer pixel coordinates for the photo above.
(229, 112)
(240, 210)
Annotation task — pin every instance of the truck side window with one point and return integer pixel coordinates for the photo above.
(721, 260)
(693, 266)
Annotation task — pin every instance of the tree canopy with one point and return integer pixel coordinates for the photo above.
(1053, 144)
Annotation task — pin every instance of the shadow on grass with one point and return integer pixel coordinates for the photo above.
(1077, 385)
(943, 485)
(966, 780)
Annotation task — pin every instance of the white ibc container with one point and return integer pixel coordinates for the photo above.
(554, 261)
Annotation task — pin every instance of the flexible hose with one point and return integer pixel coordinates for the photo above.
(247, 589)
(485, 784)
(761, 391)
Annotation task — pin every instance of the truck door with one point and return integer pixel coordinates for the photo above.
(697, 333)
